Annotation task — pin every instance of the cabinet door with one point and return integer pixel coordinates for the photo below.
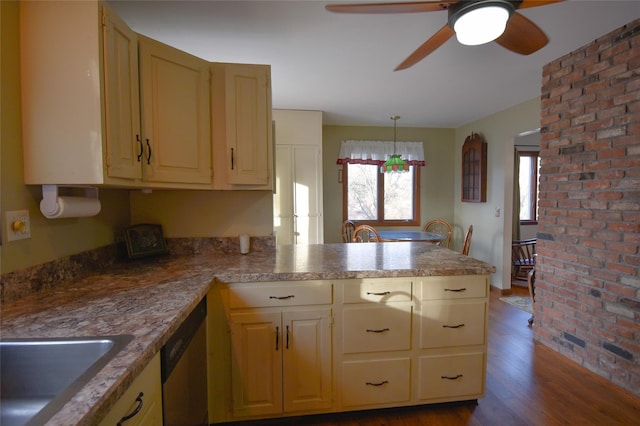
(298, 198)
(307, 359)
(283, 224)
(248, 124)
(256, 363)
(144, 393)
(175, 114)
(124, 149)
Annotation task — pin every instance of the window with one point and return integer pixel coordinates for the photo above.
(529, 169)
(374, 198)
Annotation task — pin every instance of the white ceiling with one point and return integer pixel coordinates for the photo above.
(342, 64)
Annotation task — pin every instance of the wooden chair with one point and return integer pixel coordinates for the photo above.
(365, 234)
(531, 282)
(348, 226)
(442, 227)
(467, 241)
(523, 258)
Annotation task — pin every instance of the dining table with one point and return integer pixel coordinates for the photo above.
(431, 237)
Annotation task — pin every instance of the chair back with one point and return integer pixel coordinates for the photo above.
(365, 234)
(441, 227)
(348, 226)
(467, 241)
(523, 258)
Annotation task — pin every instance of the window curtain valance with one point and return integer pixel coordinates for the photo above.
(377, 152)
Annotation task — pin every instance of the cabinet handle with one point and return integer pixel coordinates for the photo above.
(291, 296)
(453, 326)
(382, 330)
(382, 293)
(287, 343)
(384, 382)
(456, 377)
(141, 147)
(232, 159)
(277, 338)
(455, 290)
(149, 148)
(134, 412)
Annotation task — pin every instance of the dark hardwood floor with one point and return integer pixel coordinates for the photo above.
(527, 384)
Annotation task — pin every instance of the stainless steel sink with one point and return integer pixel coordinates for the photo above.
(38, 376)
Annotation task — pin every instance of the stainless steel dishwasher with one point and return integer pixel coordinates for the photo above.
(184, 372)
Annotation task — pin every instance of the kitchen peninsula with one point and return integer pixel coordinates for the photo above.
(149, 299)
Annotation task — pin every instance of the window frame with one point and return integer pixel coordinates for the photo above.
(533, 184)
(415, 170)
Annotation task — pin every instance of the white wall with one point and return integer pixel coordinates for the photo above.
(492, 234)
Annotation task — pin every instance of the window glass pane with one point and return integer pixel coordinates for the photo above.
(362, 196)
(525, 188)
(398, 195)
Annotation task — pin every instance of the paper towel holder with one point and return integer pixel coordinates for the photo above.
(49, 205)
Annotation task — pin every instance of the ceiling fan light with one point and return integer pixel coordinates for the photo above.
(481, 25)
(480, 21)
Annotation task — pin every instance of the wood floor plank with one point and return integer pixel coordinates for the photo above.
(527, 384)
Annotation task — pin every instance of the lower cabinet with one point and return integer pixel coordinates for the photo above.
(306, 347)
(141, 404)
(281, 362)
(280, 357)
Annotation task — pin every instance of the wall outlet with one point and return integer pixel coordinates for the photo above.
(18, 225)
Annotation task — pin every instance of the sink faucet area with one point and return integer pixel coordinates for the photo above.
(40, 375)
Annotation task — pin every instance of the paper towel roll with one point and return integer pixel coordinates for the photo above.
(71, 207)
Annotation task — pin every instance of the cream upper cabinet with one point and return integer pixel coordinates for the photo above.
(174, 89)
(241, 126)
(124, 150)
(297, 201)
(84, 121)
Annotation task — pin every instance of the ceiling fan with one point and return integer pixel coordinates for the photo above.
(471, 20)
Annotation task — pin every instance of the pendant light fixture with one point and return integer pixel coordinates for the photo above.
(395, 163)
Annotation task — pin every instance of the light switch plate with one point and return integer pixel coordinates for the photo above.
(18, 225)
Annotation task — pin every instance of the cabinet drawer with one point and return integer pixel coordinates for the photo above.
(377, 328)
(452, 324)
(454, 287)
(147, 384)
(376, 382)
(296, 293)
(378, 290)
(447, 376)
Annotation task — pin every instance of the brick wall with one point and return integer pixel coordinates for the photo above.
(588, 280)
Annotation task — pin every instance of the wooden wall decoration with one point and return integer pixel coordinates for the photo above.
(474, 169)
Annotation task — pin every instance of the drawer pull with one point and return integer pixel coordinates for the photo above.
(380, 293)
(455, 290)
(384, 382)
(381, 330)
(453, 326)
(277, 338)
(291, 296)
(456, 377)
(134, 412)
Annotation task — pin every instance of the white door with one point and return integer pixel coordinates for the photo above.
(298, 199)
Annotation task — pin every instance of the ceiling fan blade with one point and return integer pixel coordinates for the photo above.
(522, 35)
(437, 40)
(402, 7)
(534, 3)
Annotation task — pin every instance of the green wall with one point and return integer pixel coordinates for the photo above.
(436, 178)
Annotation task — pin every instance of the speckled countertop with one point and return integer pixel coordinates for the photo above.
(149, 299)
